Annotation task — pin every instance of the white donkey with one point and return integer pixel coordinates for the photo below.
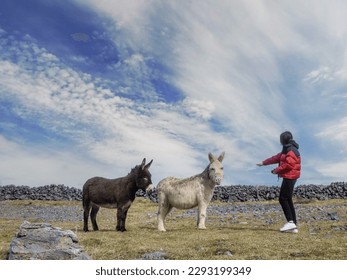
(191, 192)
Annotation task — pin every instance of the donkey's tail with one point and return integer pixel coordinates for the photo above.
(84, 195)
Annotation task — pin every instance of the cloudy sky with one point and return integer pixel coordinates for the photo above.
(91, 87)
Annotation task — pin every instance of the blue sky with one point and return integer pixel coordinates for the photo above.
(89, 88)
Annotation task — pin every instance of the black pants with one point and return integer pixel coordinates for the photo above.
(285, 199)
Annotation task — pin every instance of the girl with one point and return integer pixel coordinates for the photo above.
(289, 169)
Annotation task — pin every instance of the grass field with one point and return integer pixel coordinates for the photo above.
(240, 236)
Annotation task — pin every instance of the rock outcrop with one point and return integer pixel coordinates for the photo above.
(41, 241)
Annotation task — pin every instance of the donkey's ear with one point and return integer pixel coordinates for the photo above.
(143, 163)
(211, 157)
(149, 164)
(221, 157)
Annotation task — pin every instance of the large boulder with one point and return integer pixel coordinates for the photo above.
(41, 241)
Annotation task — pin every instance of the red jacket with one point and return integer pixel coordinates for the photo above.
(289, 163)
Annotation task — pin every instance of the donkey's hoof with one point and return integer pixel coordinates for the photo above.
(202, 227)
(162, 229)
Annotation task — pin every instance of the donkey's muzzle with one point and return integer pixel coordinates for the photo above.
(149, 189)
(218, 180)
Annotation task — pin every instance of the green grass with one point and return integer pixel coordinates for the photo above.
(244, 235)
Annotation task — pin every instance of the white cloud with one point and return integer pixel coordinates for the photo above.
(335, 133)
(130, 16)
(232, 63)
(331, 170)
(221, 59)
(36, 165)
(114, 130)
(135, 60)
(323, 73)
(199, 108)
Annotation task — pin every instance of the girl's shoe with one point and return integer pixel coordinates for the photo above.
(288, 226)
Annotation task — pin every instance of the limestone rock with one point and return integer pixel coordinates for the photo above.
(159, 255)
(41, 241)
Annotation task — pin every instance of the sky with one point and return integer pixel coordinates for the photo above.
(91, 87)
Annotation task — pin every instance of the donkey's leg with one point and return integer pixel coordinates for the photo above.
(121, 217)
(86, 209)
(119, 220)
(160, 216)
(95, 210)
(164, 210)
(202, 215)
(124, 217)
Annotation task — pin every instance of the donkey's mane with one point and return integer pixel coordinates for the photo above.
(134, 170)
(206, 169)
(203, 174)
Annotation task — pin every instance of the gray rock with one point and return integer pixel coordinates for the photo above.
(333, 216)
(225, 253)
(159, 255)
(41, 241)
(339, 228)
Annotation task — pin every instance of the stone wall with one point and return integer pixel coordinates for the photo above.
(48, 192)
(256, 193)
(223, 193)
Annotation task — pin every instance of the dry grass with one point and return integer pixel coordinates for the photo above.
(246, 237)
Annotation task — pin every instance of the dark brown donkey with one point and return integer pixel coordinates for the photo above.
(114, 193)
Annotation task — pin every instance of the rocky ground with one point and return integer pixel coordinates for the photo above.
(229, 195)
(258, 210)
(41, 213)
(272, 213)
(231, 205)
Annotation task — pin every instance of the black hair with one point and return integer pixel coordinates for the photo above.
(285, 137)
